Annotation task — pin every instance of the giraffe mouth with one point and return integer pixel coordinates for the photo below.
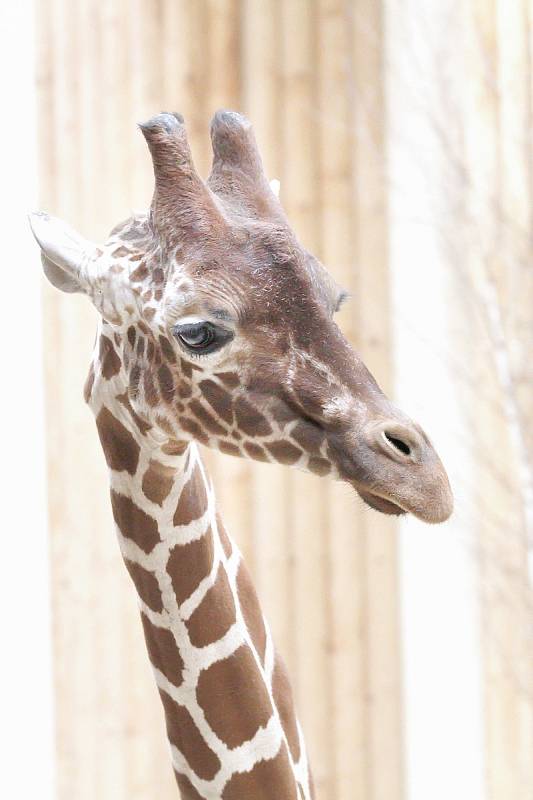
(381, 504)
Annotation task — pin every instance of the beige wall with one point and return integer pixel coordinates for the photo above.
(311, 75)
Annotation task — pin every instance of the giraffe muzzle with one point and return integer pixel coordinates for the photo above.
(408, 475)
(395, 470)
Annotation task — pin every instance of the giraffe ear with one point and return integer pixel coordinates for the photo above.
(64, 253)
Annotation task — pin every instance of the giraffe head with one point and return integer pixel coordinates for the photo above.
(223, 328)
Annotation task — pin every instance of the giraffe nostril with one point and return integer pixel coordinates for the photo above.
(398, 443)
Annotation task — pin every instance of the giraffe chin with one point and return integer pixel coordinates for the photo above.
(380, 504)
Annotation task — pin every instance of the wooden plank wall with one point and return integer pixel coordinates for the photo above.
(498, 160)
(473, 94)
(309, 74)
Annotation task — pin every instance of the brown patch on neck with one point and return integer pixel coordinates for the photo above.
(255, 451)
(191, 427)
(158, 480)
(120, 448)
(166, 384)
(134, 523)
(250, 420)
(283, 414)
(228, 448)
(187, 790)
(219, 399)
(234, 698)
(284, 452)
(184, 390)
(308, 436)
(143, 426)
(150, 392)
(189, 564)
(146, 585)
(267, 779)
(215, 615)
(251, 610)
(186, 368)
(183, 734)
(168, 350)
(163, 651)
(229, 379)
(140, 273)
(282, 693)
(193, 499)
(206, 418)
(121, 251)
(165, 425)
(319, 466)
(109, 360)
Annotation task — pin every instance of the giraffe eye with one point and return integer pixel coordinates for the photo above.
(201, 337)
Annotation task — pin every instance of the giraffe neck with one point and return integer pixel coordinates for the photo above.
(227, 701)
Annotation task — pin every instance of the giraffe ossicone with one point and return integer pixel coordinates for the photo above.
(217, 327)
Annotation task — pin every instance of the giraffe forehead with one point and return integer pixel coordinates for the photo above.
(254, 259)
(258, 272)
(272, 297)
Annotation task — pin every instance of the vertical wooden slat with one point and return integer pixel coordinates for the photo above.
(224, 67)
(146, 59)
(496, 126)
(383, 719)
(480, 154)
(515, 299)
(195, 22)
(72, 580)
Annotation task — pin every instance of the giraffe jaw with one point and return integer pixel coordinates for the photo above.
(381, 504)
(430, 513)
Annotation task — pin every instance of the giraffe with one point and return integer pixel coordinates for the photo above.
(216, 327)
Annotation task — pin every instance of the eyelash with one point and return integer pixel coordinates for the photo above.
(214, 339)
